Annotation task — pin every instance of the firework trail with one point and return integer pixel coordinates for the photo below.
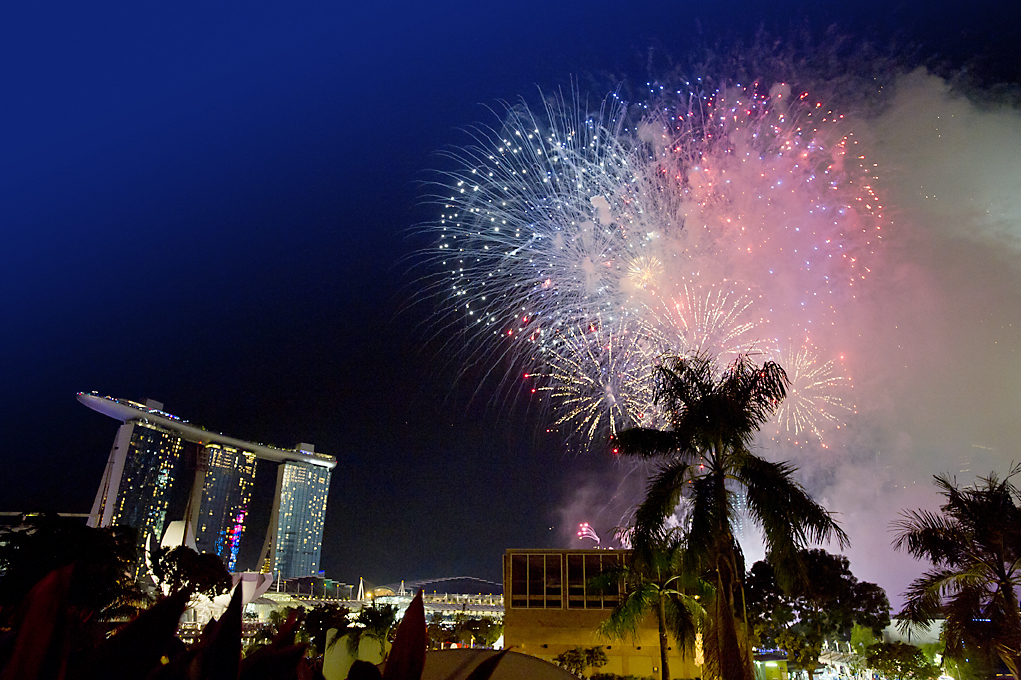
(576, 247)
(585, 530)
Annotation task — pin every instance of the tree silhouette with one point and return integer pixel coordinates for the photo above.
(374, 622)
(181, 569)
(43, 542)
(827, 603)
(577, 659)
(712, 418)
(655, 582)
(975, 549)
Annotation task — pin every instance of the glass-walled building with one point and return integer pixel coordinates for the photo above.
(301, 494)
(229, 474)
(135, 489)
(146, 479)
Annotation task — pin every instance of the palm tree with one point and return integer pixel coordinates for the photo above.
(375, 622)
(656, 583)
(975, 550)
(712, 418)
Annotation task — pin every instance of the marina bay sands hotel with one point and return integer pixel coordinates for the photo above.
(136, 485)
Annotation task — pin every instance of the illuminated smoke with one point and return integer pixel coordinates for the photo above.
(931, 336)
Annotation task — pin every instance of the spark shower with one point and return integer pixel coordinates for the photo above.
(576, 247)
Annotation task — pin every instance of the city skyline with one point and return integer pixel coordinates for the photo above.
(141, 470)
(233, 212)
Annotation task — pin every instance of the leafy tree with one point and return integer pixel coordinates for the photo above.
(975, 549)
(980, 664)
(480, 631)
(43, 542)
(827, 602)
(286, 619)
(595, 657)
(572, 661)
(320, 619)
(767, 608)
(579, 659)
(899, 661)
(871, 656)
(712, 420)
(654, 582)
(861, 638)
(439, 631)
(181, 569)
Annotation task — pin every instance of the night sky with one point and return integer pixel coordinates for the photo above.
(216, 207)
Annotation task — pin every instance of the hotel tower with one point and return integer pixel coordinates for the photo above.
(139, 475)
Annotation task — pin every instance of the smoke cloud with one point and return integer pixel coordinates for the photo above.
(931, 339)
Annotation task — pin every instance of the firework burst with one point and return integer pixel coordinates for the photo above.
(812, 405)
(702, 322)
(585, 530)
(525, 244)
(579, 245)
(599, 380)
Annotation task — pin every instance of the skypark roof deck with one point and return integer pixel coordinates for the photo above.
(125, 410)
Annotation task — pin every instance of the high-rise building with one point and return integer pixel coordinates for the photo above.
(140, 472)
(218, 507)
(136, 484)
(296, 525)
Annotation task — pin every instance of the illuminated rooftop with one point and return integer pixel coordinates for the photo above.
(125, 410)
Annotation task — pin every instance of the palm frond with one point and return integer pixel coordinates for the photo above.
(685, 617)
(661, 499)
(709, 519)
(975, 551)
(624, 620)
(926, 535)
(924, 597)
(788, 516)
(683, 381)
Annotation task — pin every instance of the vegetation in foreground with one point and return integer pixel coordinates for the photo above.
(974, 546)
(704, 457)
(81, 616)
(692, 578)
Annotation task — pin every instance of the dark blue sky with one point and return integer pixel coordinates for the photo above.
(209, 206)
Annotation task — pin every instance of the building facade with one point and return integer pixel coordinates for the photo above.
(136, 484)
(292, 548)
(552, 607)
(227, 476)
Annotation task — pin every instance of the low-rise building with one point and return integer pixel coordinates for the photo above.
(552, 607)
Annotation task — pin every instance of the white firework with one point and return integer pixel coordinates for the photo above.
(526, 240)
(681, 226)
